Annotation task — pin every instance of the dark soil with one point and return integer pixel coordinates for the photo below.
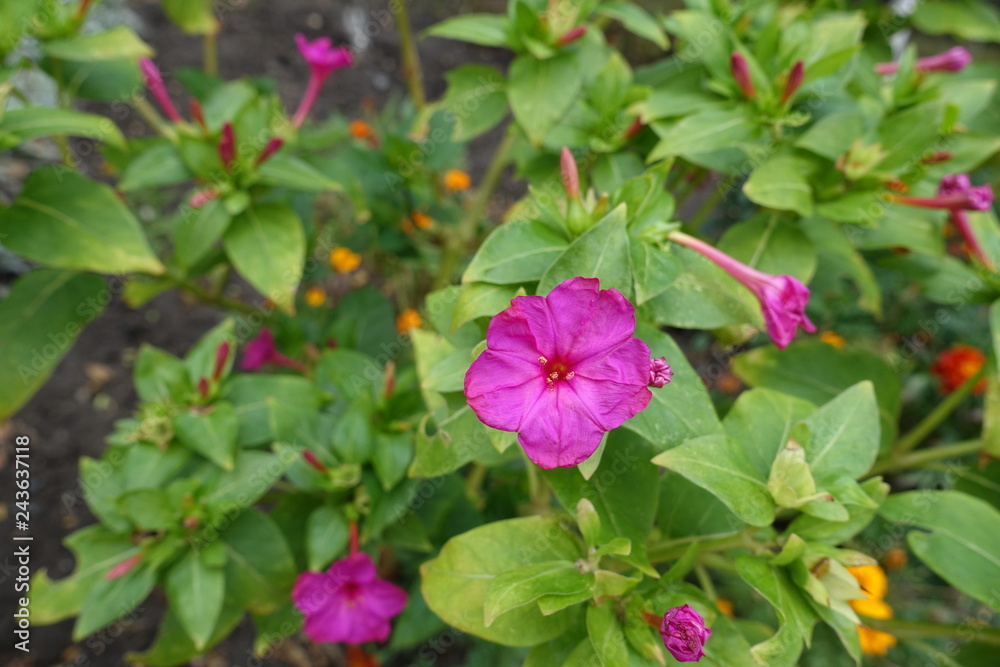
(92, 387)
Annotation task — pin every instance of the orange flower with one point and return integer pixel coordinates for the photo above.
(725, 606)
(834, 339)
(456, 179)
(315, 296)
(871, 608)
(894, 559)
(406, 225)
(875, 642)
(344, 260)
(872, 580)
(359, 129)
(956, 365)
(422, 220)
(875, 585)
(727, 383)
(407, 320)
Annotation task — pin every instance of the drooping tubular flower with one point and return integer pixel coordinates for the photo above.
(348, 603)
(561, 370)
(955, 193)
(323, 60)
(783, 299)
(684, 633)
(262, 351)
(952, 184)
(154, 82)
(952, 60)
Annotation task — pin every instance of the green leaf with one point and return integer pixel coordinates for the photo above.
(267, 246)
(477, 300)
(251, 477)
(118, 42)
(39, 321)
(688, 511)
(327, 535)
(832, 135)
(761, 421)
(211, 432)
(455, 583)
(270, 407)
(782, 183)
(601, 252)
(516, 252)
(287, 171)
(66, 220)
(160, 376)
(348, 375)
(173, 646)
(196, 592)
(653, 269)
(968, 19)
(909, 132)
(149, 509)
(109, 601)
(701, 133)
(459, 439)
(838, 532)
(196, 17)
(637, 21)
(838, 259)
(15, 20)
(517, 588)
(718, 464)
(19, 125)
(201, 358)
(351, 438)
(158, 166)
(796, 616)
(606, 635)
(841, 439)
(260, 570)
(963, 542)
(772, 245)
(392, 456)
(483, 29)
(198, 230)
(542, 91)
(476, 99)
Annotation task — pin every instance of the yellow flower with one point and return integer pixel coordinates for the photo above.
(456, 179)
(834, 339)
(407, 320)
(871, 608)
(344, 260)
(315, 296)
(422, 220)
(725, 606)
(875, 642)
(872, 580)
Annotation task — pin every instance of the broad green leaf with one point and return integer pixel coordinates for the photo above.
(201, 358)
(772, 245)
(392, 457)
(348, 375)
(158, 166)
(606, 635)
(637, 21)
(841, 439)
(480, 300)
(983, 483)
(173, 646)
(832, 135)
(962, 544)
(968, 19)
(601, 252)
(542, 91)
(19, 125)
(796, 616)
(718, 464)
(476, 100)
(516, 252)
(525, 585)
(15, 19)
(653, 269)
(327, 535)
(271, 407)
(149, 509)
(196, 592)
(66, 220)
(260, 569)
(782, 183)
(101, 80)
(761, 421)
(909, 132)
(834, 533)
(287, 171)
(39, 321)
(702, 132)
(210, 431)
(112, 599)
(267, 246)
(459, 439)
(455, 583)
(118, 42)
(196, 17)
(160, 376)
(838, 259)
(198, 230)
(483, 29)
(351, 439)
(251, 477)
(680, 96)
(688, 511)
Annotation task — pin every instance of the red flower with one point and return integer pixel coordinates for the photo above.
(956, 365)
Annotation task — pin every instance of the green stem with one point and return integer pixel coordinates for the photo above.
(716, 561)
(474, 485)
(149, 114)
(669, 550)
(705, 581)
(937, 415)
(209, 297)
(919, 629)
(467, 226)
(411, 58)
(713, 199)
(899, 462)
(211, 51)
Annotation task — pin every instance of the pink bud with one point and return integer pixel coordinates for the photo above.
(154, 82)
(273, 146)
(227, 146)
(795, 78)
(198, 114)
(203, 387)
(202, 197)
(572, 35)
(684, 633)
(123, 567)
(952, 60)
(659, 372)
(315, 462)
(221, 357)
(191, 522)
(634, 128)
(570, 175)
(741, 73)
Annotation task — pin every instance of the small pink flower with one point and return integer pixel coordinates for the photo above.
(227, 146)
(783, 299)
(323, 60)
(952, 60)
(561, 370)
(262, 351)
(684, 633)
(795, 78)
(348, 603)
(154, 82)
(741, 72)
(659, 372)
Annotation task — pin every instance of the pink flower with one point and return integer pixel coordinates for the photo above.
(952, 60)
(561, 370)
(684, 633)
(795, 78)
(154, 82)
(659, 372)
(348, 603)
(783, 299)
(956, 184)
(741, 72)
(955, 193)
(262, 351)
(323, 60)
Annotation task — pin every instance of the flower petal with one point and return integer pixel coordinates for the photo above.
(358, 569)
(384, 599)
(312, 592)
(608, 404)
(509, 332)
(627, 363)
(500, 388)
(558, 432)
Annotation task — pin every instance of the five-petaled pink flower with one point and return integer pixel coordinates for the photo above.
(684, 633)
(783, 299)
(323, 60)
(348, 603)
(952, 60)
(561, 370)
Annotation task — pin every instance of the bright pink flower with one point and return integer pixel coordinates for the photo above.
(227, 146)
(561, 370)
(323, 60)
(955, 193)
(348, 603)
(154, 82)
(660, 372)
(956, 184)
(952, 60)
(262, 351)
(741, 72)
(795, 78)
(684, 633)
(783, 299)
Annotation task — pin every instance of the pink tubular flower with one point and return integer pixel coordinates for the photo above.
(561, 370)
(660, 372)
(782, 299)
(154, 82)
(348, 603)
(684, 633)
(952, 60)
(952, 184)
(741, 72)
(955, 193)
(795, 78)
(262, 351)
(227, 146)
(323, 60)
